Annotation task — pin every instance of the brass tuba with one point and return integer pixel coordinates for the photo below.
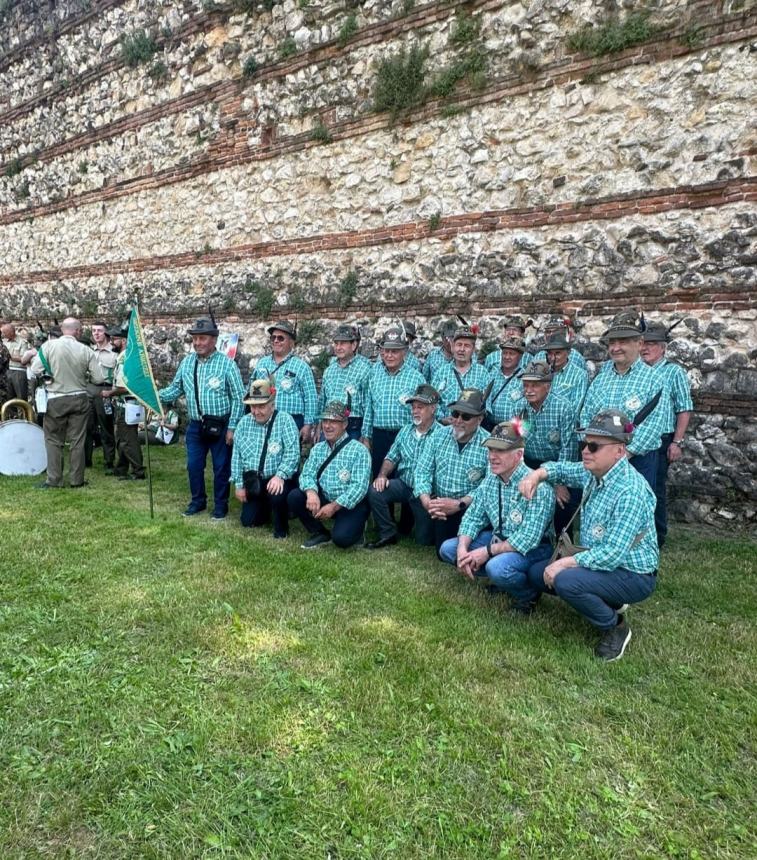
(21, 406)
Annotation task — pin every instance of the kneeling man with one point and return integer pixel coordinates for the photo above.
(617, 562)
(502, 534)
(333, 484)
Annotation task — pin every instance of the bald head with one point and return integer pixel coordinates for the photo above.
(8, 331)
(71, 326)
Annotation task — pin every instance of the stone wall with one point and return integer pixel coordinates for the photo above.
(241, 163)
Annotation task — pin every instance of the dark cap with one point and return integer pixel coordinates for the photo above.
(118, 331)
(285, 326)
(469, 332)
(335, 410)
(611, 423)
(471, 401)
(625, 324)
(425, 394)
(537, 371)
(204, 325)
(557, 322)
(656, 332)
(506, 436)
(410, 329)
(346, 333)
(448, 328)
(516, 343)
(393, 339)
(558, 340)
(515, 321)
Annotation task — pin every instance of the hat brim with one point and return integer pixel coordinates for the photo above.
(525, 378)
(620, 438)
(465, 408)
(329, 416)
(273, 328)
(342, 339)
(549, 347)
(258, 401)
(213, 332)
(621, 331)
(503, 444)
(386, 345)
(424, 400)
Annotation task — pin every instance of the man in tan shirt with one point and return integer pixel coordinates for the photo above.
(16, 346)
(101, 416)
(70, 366)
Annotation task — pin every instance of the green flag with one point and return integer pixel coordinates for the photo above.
(138, 378)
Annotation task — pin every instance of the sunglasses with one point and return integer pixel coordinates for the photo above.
(463, 415)
(278, 337)
(593, 447)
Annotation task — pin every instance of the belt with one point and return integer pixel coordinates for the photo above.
(52, 395)
(20, 368)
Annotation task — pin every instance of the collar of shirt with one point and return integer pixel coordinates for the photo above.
(207, 357)
(337, 441)
(630, 369)
(611, 474)
(517, 475)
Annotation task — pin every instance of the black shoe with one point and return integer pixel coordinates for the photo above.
(191, 511)
(76, 486)
(316, 540)
(382, 542)
(109, 470)
(45, 486)
(280, 535)
(218, 515)
(613, 642)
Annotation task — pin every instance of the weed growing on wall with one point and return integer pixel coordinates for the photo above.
(400, 82)
(348, 287)
(613, 35)
(250, 67)
(321, 133)
(14, 167)
(321, 362)
(137, 48)
(287, 48)
(262, 297)
(347, 30)
(310, 332)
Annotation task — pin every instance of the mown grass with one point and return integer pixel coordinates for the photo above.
(172, 688)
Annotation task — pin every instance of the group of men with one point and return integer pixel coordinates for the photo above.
(487, 461)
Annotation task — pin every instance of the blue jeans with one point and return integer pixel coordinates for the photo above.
(508, 571)
(595, 594)
(646, 466)
(197, 453)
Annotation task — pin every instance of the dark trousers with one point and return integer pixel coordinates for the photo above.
(18, 384)
(661, 490)
(446, 529)
(128, 448)
(380, 445)
(299, 420)
(66, 420)
(646, 466)
(260, 510)
(197, 454)
(348, 524)
(398, 491)
(102, 422)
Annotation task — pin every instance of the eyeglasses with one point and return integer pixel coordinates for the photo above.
(593, 447)
(278, 337)
(464, 416)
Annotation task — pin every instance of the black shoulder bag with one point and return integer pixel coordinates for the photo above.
(252, 479)
(334, 452)
(213, 426)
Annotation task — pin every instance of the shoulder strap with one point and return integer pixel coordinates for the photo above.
(45, 362)
(268, 430)
(459, 379)
(334, 452)
(578, 510)
(197, 387)
(646, 410)
(503, 387)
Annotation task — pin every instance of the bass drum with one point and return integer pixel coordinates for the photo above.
(22, 448)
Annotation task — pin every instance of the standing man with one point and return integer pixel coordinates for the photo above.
(346, 378)
(452, 466)
(560, 326)
(502, 534)
(512, 327)
(293, 378)
(411, 335)
(625, 383)
(71, 366)
(395, 480)
(16, 346)
(442, 354)
(569, 380)
(616, 563)
(462, 373)
(126, 435)
(213, 388)
(390, 385)
(679, 407)
(333, 485)
(101, 408)
(506, 387)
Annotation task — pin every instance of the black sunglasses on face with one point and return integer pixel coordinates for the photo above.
(278, 337)
(593, 447)
(462, 415)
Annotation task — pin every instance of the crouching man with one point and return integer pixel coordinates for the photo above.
(616, 563)
(502, 534)
(333, 484)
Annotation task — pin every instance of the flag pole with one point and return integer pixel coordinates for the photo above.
(148, 413)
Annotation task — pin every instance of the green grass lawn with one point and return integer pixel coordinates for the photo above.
(174, 688)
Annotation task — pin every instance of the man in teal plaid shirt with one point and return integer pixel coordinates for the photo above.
(569, 380)
(346, 378)
(216, 379)
(616, 561)
(450, 380)
(506, 387)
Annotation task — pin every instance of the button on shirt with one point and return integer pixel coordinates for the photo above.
(679, 392)
(505, 396)
(295, 385)
(629, 392)
(499, 504)
(446, 471)
(106, 358)
(346, 478)
(406, 451)
(386, 406)
(449, 381)
(617, 517)
(219, 383)
(351, 379)
(282, 454)
(550, 431)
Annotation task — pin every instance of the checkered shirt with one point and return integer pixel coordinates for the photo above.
(340, 381)
(346, 478)
(575, 359)
(551, 431)
(679, 392)
(521, 522)
(450, 388)
(503, 399)
(386, 405)
(447, 472)
(295, 385)
(629, 393)
(617, 517)
(493, 361)
(219, 383)
(282, 455)
(406, 450)
(434, 360)
(571, 383)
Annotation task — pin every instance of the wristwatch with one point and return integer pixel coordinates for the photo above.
(679, 442)
(463, 507)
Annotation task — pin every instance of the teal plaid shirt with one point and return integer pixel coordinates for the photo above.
(617, 517)
(282, 455)
(551, 432)
(499, 505)
(346, 478)
(434, 360)
(386, 404)
(445, 381)
(219, 383)
(447, 472)
(493, 361)
(505, 396)
(629, 393)
(295, 385)
(340, 381)
(571, 383)
(679, 392)
(575, 359)
(407, 449)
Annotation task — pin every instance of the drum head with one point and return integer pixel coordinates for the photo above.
(22, 448)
